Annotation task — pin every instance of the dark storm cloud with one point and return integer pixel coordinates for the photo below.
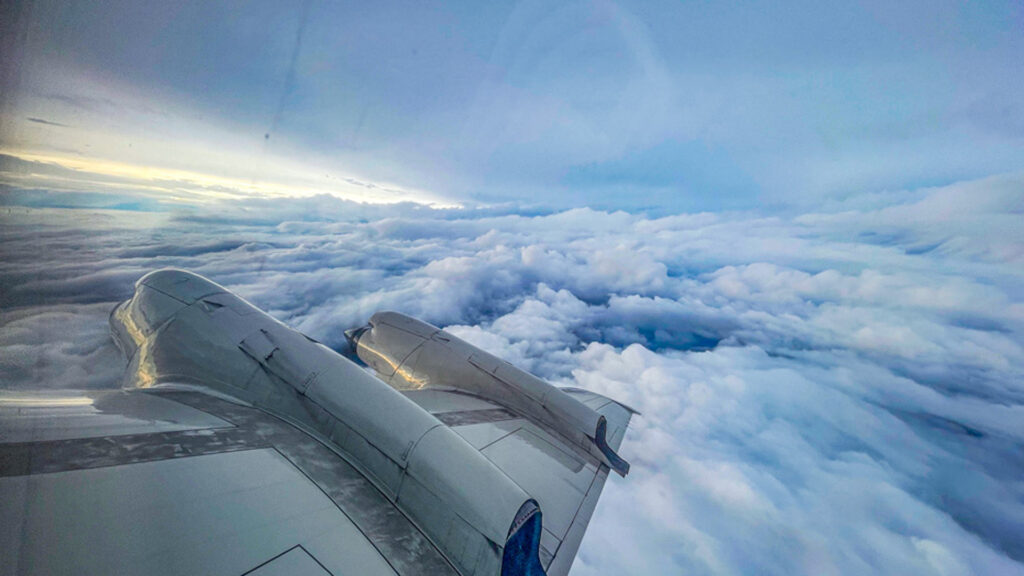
(820, 394)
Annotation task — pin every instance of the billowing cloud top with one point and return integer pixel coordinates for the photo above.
(834, 392)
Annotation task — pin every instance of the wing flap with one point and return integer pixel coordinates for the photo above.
(173, 480)
(564, 481)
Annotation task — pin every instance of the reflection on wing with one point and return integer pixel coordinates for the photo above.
(240, 446)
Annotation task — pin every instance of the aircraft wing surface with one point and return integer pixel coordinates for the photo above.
(240, 446)
(181, 482)
(558, 444)
(566, 485)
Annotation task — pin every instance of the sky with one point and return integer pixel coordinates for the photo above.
(654, 106)
(788, 233)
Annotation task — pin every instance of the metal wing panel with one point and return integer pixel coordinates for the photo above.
(222, 513)
(181, 482)
(36, 416)
(565, 482)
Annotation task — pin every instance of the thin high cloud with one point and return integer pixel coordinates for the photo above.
(821, 393)
(46, 122)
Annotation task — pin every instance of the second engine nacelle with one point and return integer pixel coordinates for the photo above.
(410, 354)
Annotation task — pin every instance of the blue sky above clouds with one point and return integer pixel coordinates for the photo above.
(788, 233)
(646, 105)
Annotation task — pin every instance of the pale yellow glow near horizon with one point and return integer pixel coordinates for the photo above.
(148, 143)
(204, 186)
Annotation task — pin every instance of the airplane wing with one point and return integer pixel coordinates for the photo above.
(240, 446)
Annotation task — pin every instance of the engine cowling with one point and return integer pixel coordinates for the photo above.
(180, 328)
(408, 353)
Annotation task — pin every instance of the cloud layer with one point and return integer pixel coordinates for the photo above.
(822, 393)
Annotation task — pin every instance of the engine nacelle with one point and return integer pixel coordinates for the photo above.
(180, 328)
(410, 354)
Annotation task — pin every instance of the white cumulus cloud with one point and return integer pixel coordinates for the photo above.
(837, 392)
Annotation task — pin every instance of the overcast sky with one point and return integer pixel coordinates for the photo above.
(662, 106)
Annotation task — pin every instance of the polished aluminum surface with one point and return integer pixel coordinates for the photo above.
(222, 513)
(66, 414)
